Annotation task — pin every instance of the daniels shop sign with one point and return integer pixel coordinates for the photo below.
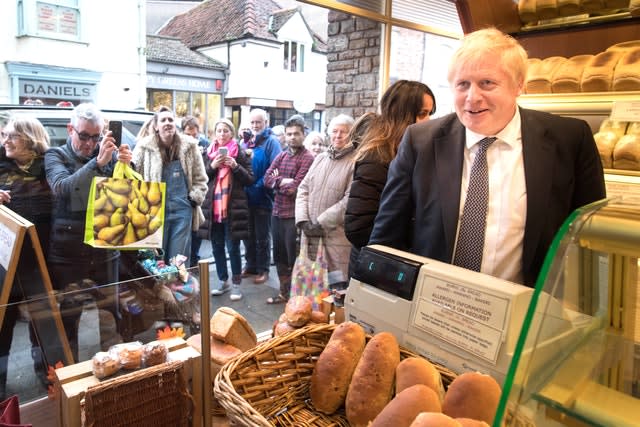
(63, 90)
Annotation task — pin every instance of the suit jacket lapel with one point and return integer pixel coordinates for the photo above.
(449, 155)
(537, 155)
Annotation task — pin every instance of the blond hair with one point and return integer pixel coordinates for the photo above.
(31, 130)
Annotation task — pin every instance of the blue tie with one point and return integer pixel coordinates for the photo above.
(473, 222)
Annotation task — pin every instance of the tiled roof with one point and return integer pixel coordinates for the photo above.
(217, 21)
(172, 51)
(280, 17)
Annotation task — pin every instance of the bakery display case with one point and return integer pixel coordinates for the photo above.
(589, 281)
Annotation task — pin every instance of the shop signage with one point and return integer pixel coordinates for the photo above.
(56, 90)
(7, 244)
(189, 84)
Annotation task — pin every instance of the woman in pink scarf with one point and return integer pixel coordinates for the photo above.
(225, 206)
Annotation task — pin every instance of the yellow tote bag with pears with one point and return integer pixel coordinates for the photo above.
(124, 211)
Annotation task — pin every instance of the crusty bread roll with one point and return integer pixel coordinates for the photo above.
(527, 11)
(282, 328)
(598, 73)
(472, 395)
(567, 77)
(547, 9)
(626, 153)
(372, 382)
(231, 327)
(468, 422)
(568, 7)
(606, 142)
(416, 370)
(540, 75)
(333, 370)
(298, 310)
(319, 317)
(626, 75)
(406, 406)
(434, 419)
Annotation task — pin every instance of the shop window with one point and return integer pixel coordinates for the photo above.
(158, 98)
(56, 19)
(293, 56)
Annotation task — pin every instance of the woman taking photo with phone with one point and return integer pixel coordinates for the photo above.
(225, 207)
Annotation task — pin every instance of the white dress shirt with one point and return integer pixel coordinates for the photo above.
(507, 210)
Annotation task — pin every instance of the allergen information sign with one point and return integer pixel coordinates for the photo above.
(468, 318)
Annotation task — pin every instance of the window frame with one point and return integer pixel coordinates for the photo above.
(28, 22)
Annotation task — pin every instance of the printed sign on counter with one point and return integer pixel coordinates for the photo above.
(468, 318)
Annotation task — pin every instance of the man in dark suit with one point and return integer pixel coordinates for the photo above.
(540, 168)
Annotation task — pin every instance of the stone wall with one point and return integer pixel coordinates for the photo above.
(353, 70)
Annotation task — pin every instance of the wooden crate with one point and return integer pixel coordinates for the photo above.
(73, 381)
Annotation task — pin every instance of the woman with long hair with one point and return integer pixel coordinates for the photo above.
(404, 103)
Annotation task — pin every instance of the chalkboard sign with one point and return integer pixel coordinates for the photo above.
(13, 229)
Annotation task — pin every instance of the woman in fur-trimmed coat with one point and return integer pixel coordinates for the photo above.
(175, 159)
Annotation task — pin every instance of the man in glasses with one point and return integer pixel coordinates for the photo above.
(73, 265)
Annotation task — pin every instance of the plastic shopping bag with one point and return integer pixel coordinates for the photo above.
(125, 212)
(310, 277)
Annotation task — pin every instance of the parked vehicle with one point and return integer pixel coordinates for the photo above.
(55, 120)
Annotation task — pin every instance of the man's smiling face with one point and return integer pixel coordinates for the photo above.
(485, 96)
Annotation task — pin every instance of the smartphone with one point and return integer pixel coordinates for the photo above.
(223, 151)
(115, 126)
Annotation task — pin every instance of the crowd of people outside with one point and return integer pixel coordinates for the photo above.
(391, 177)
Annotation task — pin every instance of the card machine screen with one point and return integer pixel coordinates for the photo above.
(388, 272)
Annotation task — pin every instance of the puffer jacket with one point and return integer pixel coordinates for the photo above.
(238, 210)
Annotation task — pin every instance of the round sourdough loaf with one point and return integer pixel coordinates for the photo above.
(335, 365)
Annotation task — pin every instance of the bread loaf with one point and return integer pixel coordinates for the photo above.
(598, 73)
(567, 77)
(416, 370)
(298, 310)
(616, 4)
(472, 395)
(568, 7)
(615, 126)
(527, 11)
(634, 7)
(626, 76)
(633, 128)
(319, 317)
(406, 406)
(605, 142)
(626, 153)
(434, 419)
(221, 352)
(592, 5)
(229, 326)
(624, 46)
(547, 9)
(540, 75)
(334, 368)
(282, 328)
(372, 382)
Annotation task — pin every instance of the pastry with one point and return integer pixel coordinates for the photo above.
(104, 364)
(129, 354)
(154, 353)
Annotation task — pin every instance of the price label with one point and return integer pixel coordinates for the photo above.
(626, 111)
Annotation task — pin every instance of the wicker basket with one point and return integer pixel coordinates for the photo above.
(153, 397)
(269, 385)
